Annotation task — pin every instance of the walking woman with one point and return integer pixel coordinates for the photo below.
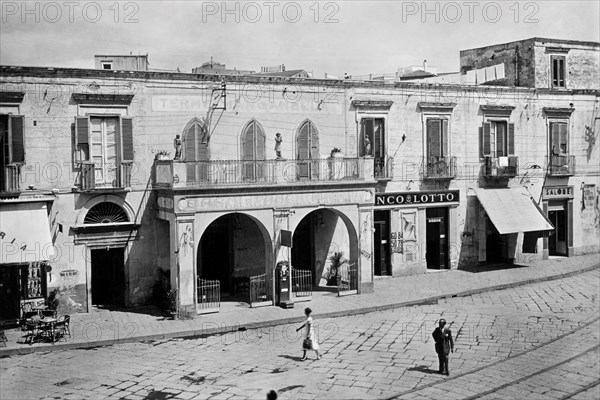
(309, 342)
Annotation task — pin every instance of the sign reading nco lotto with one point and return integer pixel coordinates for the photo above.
(415, 198)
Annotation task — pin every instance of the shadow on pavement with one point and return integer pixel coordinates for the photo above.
(293, 358)
(424, 369)
(491, 267)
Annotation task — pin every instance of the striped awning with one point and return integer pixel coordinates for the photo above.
(513, 210)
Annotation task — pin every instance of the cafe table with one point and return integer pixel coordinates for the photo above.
(48, 326)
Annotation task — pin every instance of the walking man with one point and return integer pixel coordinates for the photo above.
(443, 345)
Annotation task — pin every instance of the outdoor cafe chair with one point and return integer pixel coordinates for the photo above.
(61, 327)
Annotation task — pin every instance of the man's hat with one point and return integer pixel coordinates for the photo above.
(443, 321)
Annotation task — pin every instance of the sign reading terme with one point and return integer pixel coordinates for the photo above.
(415, 198)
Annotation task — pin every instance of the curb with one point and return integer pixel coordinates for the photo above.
(284, 321)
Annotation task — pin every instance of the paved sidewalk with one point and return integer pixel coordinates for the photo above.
(103, 327)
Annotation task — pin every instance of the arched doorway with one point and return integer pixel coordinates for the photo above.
(317, 238)
(107, 263)
(233, 248)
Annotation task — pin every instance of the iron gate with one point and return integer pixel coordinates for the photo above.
(347, 279)
(209, 296)
(301, 285)
(261, 291)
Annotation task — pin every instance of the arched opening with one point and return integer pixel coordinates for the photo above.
(232, 249)
(107, 263)
(253, 150)
(307, 148)
(316, 240)
(195, 143)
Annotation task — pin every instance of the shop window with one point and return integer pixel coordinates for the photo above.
(33, 281)
(558, 67)
(530, 242)
(12, 150)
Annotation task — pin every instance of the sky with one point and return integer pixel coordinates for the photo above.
(333, 37)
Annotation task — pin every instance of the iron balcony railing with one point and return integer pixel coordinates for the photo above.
(500, 167)
(561, 165)
(261, 290)
(176, 173)
(90, 178)
(383, 168)
(439, 167)
(10, 181)
(209, 296)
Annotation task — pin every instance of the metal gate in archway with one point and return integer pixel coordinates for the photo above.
(209, 296)
(347, 279)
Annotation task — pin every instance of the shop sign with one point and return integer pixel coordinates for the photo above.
(416, 198)
(558, 192)
(589, 196)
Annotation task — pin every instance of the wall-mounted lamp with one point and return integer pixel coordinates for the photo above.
(409, 183)
(403, 137)
(319, 221)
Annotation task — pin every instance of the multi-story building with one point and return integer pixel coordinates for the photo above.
(109, 176)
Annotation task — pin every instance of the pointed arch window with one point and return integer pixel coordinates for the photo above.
(195, 143)
(253, 151)
(307, 150)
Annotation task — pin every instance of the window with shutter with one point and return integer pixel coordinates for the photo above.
(17, 138)
(557, 73)
(433, 139)
(307, 148)
(559, 138)
(511, 139)
(253, 148)
(103, 145)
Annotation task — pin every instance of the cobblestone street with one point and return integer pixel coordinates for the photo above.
(534, 341)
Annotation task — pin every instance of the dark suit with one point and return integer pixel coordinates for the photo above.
(438, 335)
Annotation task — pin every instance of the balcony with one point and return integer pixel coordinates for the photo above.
(111, 177)
(231, 173)
(383, 168)
(9, 181)
(436, 168)
(561, 165)
(500, 167)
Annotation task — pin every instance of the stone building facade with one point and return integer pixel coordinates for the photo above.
(109, 176)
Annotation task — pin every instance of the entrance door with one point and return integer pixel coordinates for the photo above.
(217, 254)
(437, 238)
(9, 293)
(557, 241)
(108, 277)
(381, 243)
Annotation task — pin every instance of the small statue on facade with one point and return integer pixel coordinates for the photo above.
(278, 141)
(177, 143)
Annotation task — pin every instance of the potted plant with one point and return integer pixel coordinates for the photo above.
(162, 155)
(336, 260)
(171, 303)
(336, 152)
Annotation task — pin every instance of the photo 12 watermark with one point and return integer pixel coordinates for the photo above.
(470, 11)
(52, 12)
(253, 12)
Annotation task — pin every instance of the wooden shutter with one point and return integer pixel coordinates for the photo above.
(260, 142)
(445, 139)
(485, 139)
(554, 139)
(302, 142)
(378, 138)
(314, 140)
(563, 139)
(511, 139)
(433, 139)
(501, 149)
(17, 139)
(127, 139)
(189, 143)
(203, 145)
(82, 138)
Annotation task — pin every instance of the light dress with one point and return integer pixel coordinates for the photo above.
(309, 332)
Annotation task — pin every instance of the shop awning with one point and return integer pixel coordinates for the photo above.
(25, 233)
(512, 210)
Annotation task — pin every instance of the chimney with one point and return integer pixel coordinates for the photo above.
(425, 65)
